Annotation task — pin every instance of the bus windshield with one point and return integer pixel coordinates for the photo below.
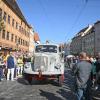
(46, 48)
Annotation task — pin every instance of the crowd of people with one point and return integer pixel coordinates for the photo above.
(87, 73)
(85, 68)
(11, 65)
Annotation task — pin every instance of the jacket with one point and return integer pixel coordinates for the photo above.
(1, 61)
(10, 62)
(20, 62)
(97, 64)
(83, 70)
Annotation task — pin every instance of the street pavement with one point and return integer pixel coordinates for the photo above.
(95, 93)
(21, 90)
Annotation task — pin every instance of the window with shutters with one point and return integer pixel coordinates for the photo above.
(15, 39)
(0, 13)
(13, 22)
(7, 36)
(8, 19)
(12, 37)
(3, 34)
(16, 25)
(5, 16)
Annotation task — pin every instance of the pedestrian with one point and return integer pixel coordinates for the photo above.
(93, 72)
(10, 67)
(20, 65)
(15, 62)
(82, 72)
(97, 64)
(1, 67)
(5, 63)
(68, 62)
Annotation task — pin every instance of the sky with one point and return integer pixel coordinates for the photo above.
(59, 20)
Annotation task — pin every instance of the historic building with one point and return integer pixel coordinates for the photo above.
(97, 37)
(67, 48)
(76, 44)
(31, 41)
(36, 38)
(88, 40)
(83, 41)
(16, 34)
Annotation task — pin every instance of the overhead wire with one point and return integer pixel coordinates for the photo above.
(44, 10)
(46, 15)
(77, 18)
(42, 6)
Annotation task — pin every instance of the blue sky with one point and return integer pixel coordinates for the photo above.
(59, 20)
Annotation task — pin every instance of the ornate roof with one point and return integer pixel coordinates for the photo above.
(97, 22)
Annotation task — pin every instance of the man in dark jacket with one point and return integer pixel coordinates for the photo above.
(97, 64)
(10, 67)
(83, 70)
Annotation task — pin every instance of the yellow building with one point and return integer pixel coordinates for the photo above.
(17, 30)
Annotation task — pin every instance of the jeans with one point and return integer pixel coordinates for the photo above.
(19, 69)
(79, 94)
(87, 91)
(10, 72)
(1, 73)
(84, 92)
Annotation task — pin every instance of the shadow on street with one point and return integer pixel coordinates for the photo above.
(66, 92)
(49, 96)
(37, 82)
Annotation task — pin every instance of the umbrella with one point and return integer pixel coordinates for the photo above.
(70, 56)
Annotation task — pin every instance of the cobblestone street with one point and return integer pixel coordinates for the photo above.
(20, 90)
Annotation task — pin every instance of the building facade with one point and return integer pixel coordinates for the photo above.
(83, 41)
(31, 41)
(75, 46)
(97, 36)
(16, 34)
(67, 48)
(89, 40)
(36, 38)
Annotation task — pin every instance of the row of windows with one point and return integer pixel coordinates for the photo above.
(8, 36)
(86, 40)
(7, 18)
